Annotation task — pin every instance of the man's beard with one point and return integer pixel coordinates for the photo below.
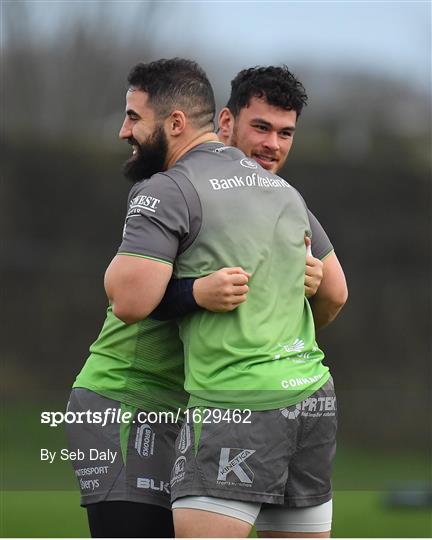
(150, 156)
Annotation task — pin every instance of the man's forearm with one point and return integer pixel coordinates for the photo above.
(332, 294)
(324, 310)
(220, 292)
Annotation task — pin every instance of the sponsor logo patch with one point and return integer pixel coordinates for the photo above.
(296, 346)
(220, 149)
(300, 381)
(145, 203)
(249, 163)
(153, 485)
(312, 407)
(184, 439)
(232, 467)
(144, 441)
(290, 412)
(178, 471)
(250, 180)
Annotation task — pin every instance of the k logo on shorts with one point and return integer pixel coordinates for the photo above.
(232, 465)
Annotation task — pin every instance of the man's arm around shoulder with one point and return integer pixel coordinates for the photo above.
(135, 286)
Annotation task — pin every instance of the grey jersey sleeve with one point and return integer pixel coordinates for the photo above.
(321, 245)
(157, 220)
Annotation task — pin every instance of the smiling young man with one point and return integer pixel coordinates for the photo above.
(261, 118)
(223, 479)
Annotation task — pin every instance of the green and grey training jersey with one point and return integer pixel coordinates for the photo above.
(217, 208)
(139, 364)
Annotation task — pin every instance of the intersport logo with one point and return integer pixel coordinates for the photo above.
(232, 462)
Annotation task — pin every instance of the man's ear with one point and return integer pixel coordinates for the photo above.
(176, 123)
(226, 125)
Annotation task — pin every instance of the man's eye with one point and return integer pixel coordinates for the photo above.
(286, 134)
(260, 127)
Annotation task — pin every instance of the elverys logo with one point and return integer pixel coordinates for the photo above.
(144, 441)
(249, 163)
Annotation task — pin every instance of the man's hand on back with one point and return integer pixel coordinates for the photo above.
(223, 290)
(314, 271)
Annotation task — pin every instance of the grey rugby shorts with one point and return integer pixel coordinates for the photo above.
(283, 456)
(120, 461)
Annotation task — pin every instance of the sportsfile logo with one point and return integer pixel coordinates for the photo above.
(232, 464)
(144, 441)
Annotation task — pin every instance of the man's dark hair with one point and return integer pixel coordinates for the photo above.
(277, 85)
(176, 84)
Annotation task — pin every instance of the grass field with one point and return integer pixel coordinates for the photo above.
(57, 514)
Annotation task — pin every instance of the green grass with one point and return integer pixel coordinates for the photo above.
(372, 470)
(38, 514)
(58, 514)
(364, 514)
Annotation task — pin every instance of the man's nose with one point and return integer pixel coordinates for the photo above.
(125, 131)
(272, 141)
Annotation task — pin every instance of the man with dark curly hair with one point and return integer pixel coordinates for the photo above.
(260, 118)
(262, 90)
(229, 481)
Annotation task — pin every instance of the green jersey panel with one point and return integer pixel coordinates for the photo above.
(139, 364)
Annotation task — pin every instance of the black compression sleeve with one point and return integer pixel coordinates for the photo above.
(177, 301)
(125, 519)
